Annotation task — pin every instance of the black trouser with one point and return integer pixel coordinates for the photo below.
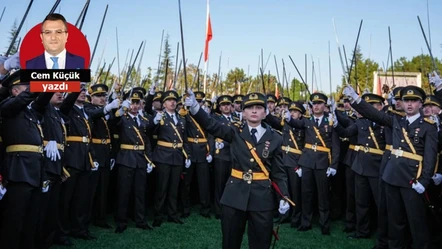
(21, 216)
(168, 180)
(382, 234)
(406, 205)
(99, 209)
(337, 194)
(203, 176)
(350, 212)
(434, 197)
(222, 171)
(365, 189)
(259, 230)
(128, 179)
(294, 184)
(49, 213)
(74, 199)
(312, 178)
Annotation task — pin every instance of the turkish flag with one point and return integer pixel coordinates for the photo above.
(208, 34)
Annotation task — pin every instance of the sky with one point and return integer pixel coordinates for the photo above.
(241, 28)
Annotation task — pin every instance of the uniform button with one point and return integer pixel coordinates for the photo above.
(402, 141)
(316, 136)
(197, 135)
(252, 160)
(369, 137)
(290, 139)
(400, 148)
(174, 133)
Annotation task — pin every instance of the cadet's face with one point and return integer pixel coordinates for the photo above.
(135, 107)
(399, 105)
(271, 106)
(99, 99)
(378, 106)
(225, 108)
(318, 108)
(142, 103)
(277, 110)
(16, 90)
(435, 109)
(156, 105)
(284, 107)
(254, 114)
(82, 97)
(170, 105)
(347, 105)
(232, 108)
(54, 36)
(427, 110)
(295, 114)
(56, 99)
(412, 107)
(237, 107)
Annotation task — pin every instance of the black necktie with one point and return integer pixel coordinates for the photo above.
(228, 118)
(136, 121)
(254, 131)
(317, 122)
(407, 123)
(173, 119)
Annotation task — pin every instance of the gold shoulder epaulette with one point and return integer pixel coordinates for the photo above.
(144, 118)
(183, 112)
(428, 120)
(306, 116)
(396, 112)
(340, 109)
(279, 132)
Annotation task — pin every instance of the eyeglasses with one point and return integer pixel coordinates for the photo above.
(56, 32)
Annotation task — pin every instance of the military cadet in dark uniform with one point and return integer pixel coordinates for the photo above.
(370, 149)
(133, 161)
(54, 131)
(237, 101)
(319, 161)
(22, 136)
(256, 155)
(171, 152)
(410, 168)
(79, 161)
(271, 103)
(200, 158)
(292, 145)
(222, 161)
(100, 113)
(283, 103)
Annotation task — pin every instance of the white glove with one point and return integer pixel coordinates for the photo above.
(434, 79)
(287, 116)
(334, 119)
(112, 163)
(219, 145)
(52, 151)
(331, 171)
(390, 95)
(187, 163)
(12, 62)
(437, 179)
(158, 118)
(209, 158)
(191, 102)
(283, 207)
(45, 187)
(114, 95)
(152, 89)
(126, 104)
(393, 101)
(149, 168)
(112, 105)
(96, 164)
(350, 92)
(333, 105)
(418, 187)
(435, 118)
(2, 192)
(299, 172)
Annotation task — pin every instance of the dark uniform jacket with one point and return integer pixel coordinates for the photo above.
(400, 171)
(348, 155)
(101, 135)
(259, 195)
(79, 155)
(166, 133)
(22, 126)
(200, 149)
(290, 136)
(365, 163)
(130, 133)
(318, 159)
(224, 153)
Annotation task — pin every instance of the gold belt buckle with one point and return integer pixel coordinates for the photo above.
(174, 145)
(40, 149)
(398, 153)
(314, 147)
(195, 140)
(84, 139)
(366, 149)
(248, 176)
(62, 147)
(103, 141)
(136, 147)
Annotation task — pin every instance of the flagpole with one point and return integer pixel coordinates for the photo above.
(206, 46)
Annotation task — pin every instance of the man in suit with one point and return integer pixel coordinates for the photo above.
(319, 161)
(54, 35)
(257, 161)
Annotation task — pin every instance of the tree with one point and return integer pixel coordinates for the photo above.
(12, 33)
(166, 57)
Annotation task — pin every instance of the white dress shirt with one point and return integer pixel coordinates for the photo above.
(82, 109)
(135, 116)
(320, 119)
(61, 60)
(175, 120)
(413, 118)
(239, 114)
(259, 131)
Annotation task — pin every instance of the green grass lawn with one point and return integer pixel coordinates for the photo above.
(198, 232)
